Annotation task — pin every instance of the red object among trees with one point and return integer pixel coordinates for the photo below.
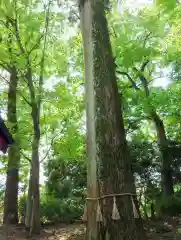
(3, 144)
(5, 137)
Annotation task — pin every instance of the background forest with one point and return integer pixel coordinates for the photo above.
(42, 101)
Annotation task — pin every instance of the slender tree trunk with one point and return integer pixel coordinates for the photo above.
(32, 220)
(35, 218)
(35, 225)
(29, 204)
(167, 180)
(35, 107)
(115, 174)
(36, 104)
(12, 180)
(86, 27)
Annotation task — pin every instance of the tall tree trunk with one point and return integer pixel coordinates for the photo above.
(112, 151)
(35, 225)
(36, 105)
(29, 203)
(35, 218)
(12, 180)
(32, 220)
(86, 28)
(167, 180)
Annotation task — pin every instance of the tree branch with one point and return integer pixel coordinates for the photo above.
(114, 32)
(146, 38)
(2, 77)
(133, 83)
(143, 80)
(17, 34)
(27, 158)
(28, 75)
(48, 149)
(133, 124)
(42, 63)
(145, 63)
(14, 24)
(5, 66)
(37, 44)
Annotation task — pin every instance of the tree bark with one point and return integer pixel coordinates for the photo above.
(86, 28)
(35, 225)
(115, 176)
(12, 179)
(29, 203)
(166, 173)
(35, 218)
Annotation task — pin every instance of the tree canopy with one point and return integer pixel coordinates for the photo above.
(43, 39)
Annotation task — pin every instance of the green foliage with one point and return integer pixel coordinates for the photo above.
(66, 178)
(168, 5)
(137, 37)
(56, 210)
(169, 206)
(153, 34)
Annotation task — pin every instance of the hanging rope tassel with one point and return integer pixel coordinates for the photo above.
(99, 214)
(84, 216)
(115, 212)
(135, 212)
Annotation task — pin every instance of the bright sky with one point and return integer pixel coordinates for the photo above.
(132, 4)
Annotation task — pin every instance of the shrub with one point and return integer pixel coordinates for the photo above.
(169, 206)
(22, 208)
(54, 210)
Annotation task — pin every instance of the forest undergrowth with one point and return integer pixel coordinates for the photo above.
(157, 229)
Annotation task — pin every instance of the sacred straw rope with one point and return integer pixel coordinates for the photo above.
(115, 212)
(111, 195)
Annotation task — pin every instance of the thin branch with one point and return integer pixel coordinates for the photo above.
(74, 12)
(132, 124)
(146, 38)
(14, 23)
(145, 63)
(143, 80)
(27, 158)
(17, 34)
(3, 23)
(37, 44)
(42, 63)
(5, 66)
(48, 149)
(133, 83)
(29, 78)
(2, 77)
(114, 32)
(44, 47)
